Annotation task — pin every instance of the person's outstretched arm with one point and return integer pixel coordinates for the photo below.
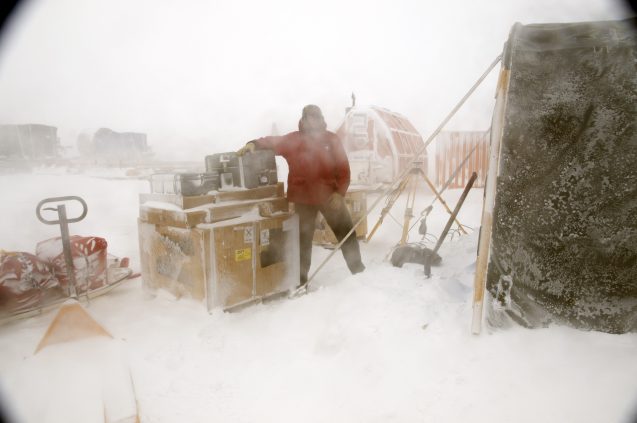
(276, 143)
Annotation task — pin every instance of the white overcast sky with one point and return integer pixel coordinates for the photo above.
(205, 76)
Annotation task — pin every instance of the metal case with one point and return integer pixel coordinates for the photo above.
(249, 171)
(186, 184)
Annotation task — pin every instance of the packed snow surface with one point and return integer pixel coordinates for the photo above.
(386, 345)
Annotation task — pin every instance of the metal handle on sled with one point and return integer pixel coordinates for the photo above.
(64, 229)
(59, 208)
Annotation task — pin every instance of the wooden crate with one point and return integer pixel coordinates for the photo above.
(225, 264)
(188, 212)
(189, 202)
(356, 202)
(208, 213)
(174, 259)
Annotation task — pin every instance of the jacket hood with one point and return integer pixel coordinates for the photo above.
(312, 120)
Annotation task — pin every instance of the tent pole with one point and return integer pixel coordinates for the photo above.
(460, 103)
(486, 225)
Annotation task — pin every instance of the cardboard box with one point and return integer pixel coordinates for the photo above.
(224, 264)
(356, 202)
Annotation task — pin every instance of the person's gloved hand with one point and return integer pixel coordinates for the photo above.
(335, 201)
(248, 148)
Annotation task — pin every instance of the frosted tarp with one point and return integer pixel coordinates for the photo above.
(564, 241)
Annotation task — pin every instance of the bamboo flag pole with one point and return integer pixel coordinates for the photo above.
(405, 171)
(486, 227)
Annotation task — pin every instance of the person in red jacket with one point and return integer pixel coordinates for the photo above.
(318, 179)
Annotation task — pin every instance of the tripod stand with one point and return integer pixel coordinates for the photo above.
(410, 183)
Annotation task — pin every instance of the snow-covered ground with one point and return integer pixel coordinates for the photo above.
(386, 345)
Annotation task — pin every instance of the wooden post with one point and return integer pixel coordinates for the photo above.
(484, 245)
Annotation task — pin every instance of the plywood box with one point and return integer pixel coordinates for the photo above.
(267, 191)
(182, 202)
(356, 202)
(164, 214)
(223, 264)
(174, 259)
(189, 202)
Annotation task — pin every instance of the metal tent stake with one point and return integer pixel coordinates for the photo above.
(63, 221)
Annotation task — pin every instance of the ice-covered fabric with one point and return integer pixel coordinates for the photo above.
(89, 260)
(24, 278)
(564, 242)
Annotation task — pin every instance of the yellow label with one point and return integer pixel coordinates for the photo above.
(243, 254)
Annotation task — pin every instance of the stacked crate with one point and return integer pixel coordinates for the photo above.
(356, 202)
(225, 248)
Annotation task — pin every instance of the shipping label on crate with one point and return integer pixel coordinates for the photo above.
(248, 235)
(243, 254)
(265, 236)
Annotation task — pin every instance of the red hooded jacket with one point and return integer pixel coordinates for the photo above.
(318, 165)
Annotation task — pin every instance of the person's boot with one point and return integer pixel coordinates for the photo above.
(302, 281)
(357, 268)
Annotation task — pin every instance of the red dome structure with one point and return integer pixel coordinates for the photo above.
(380, 144)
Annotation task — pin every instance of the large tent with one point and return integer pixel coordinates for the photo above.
(380, 144)
(559, 227)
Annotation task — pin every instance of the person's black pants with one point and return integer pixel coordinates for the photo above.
(340, 222)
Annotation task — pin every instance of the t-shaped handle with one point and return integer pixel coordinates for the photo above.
(38, 210)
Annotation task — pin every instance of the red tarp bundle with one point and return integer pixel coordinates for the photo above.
(24, 278)
(29, 281)
(89, 260)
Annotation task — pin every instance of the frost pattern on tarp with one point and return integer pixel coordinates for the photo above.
(564, 242)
